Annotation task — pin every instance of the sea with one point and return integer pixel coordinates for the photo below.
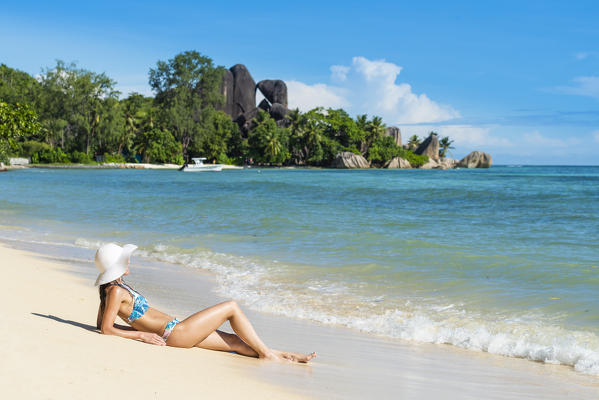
(502, 260)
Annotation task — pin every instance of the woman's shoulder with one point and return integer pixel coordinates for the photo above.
(116, 291)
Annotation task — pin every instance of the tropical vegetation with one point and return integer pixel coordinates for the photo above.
(67, 114)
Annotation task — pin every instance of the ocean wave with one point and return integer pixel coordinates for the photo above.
(267, 287)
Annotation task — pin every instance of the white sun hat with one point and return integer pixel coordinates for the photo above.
(112, 261)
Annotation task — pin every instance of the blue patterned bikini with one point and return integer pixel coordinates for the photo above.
(140, 307)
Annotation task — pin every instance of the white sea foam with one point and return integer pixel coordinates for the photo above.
(268, 288)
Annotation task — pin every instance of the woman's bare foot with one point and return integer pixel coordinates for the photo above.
(273, 355)
(295, 357)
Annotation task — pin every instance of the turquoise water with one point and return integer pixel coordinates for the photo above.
(503, 260)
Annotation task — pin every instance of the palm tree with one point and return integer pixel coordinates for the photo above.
(414, 142)
(362, 122)
(375, 129)
(273, 145)
(444, 145)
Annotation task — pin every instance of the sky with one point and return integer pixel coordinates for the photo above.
(516, 79)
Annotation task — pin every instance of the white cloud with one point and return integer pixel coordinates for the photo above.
(596, 136)
(536, 139)
(464, 136)
(583, 86)
(369, 87)
(339, 72)
(306, 97)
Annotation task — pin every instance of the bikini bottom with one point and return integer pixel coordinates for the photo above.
(169, 328)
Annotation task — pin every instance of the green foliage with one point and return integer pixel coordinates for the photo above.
(73, 105)
(114, 158)
(30, 147)
(268, 143)
(445, 144)
(187, 91)
(413, 142)
(79, 157)
(415, 160)
(17, 86)
(383, 149)
(219, 136)
(52, 155)
(16, 121)
(159, 146)
(70, 114)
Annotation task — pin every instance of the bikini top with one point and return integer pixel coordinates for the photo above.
(140, 304)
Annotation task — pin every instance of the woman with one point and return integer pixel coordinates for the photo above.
(155, 327)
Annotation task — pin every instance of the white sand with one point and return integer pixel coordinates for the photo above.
(51, 350)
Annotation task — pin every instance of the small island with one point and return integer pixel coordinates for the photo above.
(67, 115)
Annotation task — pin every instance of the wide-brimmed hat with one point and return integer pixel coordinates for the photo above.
(112, 261)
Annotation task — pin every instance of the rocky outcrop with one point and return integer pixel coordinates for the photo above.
(476, 159)
(275, 91)
(431, 164)
(398, 162)
(246, 120)
(244, 91)
(350, 160)
(278, 111)
(264, 105)
(395, 132)
(429, 147)
(447, 163)
(226, 89)
(2, 167)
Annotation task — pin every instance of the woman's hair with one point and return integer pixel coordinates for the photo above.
(102, 290)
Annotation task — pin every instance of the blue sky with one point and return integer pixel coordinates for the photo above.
(518, 79)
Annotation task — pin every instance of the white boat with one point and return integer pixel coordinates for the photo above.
(199, 166)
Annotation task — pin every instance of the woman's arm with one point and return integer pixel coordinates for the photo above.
(99, 322)
(114, 298)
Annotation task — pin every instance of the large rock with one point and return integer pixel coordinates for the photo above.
(226, 88)
(395, 132)
(350, 160)
(246, 120)
(278, 111)
(431, 164)
(476, 159)
(398, 162)
(244, 91)
(264, 105)
(429, 147)
(275, 91)
(447, 163)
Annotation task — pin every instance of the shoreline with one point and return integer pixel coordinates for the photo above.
(52, 349)
(348, 362)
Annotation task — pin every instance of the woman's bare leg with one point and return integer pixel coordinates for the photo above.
(223, 341)
(195, 329)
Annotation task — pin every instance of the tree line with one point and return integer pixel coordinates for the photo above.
(69, 114)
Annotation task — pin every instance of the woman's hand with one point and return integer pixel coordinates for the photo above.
(152, 338)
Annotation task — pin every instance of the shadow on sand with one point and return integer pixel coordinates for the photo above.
(90, 328)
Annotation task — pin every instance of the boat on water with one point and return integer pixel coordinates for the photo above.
(199, 166)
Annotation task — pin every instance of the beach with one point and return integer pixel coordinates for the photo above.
(484, 287)
(52, 350)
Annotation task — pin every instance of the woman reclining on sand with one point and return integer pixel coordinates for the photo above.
(155, 327)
